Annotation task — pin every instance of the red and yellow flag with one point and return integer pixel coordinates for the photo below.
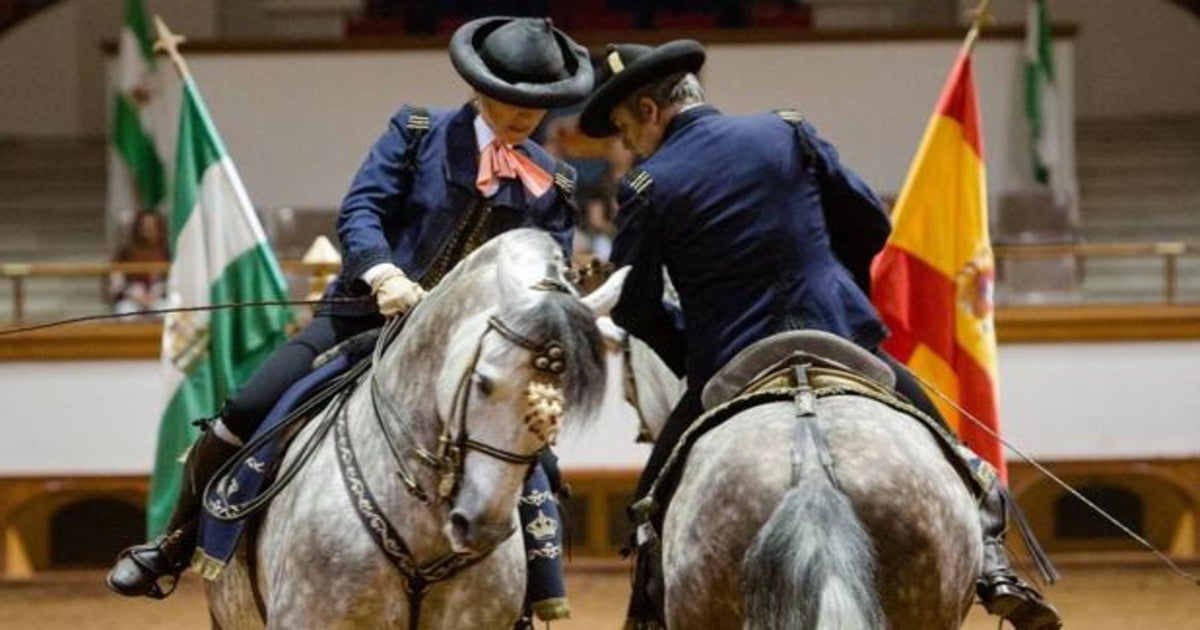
(933, 280)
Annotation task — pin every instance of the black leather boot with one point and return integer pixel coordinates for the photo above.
(646, 599)
(647, 595)
(1001, 591)
(140, 568)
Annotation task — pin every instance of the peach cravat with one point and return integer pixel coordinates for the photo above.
(498, 160)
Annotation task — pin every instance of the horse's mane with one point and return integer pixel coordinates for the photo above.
(522, 259)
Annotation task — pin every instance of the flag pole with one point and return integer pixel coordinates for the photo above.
(169, 42)
(981, 15)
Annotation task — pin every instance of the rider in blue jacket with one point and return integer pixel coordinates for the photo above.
(434, 187)
(760, 229)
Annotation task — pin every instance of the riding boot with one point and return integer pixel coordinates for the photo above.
(1002, 592)
(140, 568)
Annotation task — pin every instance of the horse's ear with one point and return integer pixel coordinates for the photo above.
(604, 298)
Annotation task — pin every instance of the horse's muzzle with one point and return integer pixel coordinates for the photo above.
(472, 535)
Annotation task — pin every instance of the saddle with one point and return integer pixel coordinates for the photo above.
(245, 484)
(764, 365)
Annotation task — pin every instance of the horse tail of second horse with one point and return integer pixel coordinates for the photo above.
(812, 566)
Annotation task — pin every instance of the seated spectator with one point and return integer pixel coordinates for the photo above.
(137, 292)
(597, 223)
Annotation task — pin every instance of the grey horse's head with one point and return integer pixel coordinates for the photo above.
(526, 358)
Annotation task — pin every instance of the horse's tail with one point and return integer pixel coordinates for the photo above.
(812, 565)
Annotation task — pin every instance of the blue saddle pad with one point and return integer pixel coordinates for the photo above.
(219, 539)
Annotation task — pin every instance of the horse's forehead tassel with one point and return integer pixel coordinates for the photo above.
(544, 410)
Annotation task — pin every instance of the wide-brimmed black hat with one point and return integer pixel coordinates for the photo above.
(522, 61)
(627, 67)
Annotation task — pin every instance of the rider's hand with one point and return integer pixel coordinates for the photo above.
(395, 293)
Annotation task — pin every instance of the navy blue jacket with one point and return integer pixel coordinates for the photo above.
(408, 216)
(759, 226)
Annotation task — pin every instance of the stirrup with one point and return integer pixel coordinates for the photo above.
(160, 576)
(1007, 596)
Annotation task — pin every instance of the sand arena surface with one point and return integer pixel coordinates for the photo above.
(1092, 598)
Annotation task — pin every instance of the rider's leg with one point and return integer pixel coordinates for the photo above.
(139, 568)
(646, 599)
(1002, 592)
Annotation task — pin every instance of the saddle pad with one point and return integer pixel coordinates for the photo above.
(814, 346)
(979, 479)
(219, 539)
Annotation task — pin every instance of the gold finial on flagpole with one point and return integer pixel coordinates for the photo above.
(168, 43)
(980, 16)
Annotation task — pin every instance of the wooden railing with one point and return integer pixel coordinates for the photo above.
(17, 274)
(1169, 252)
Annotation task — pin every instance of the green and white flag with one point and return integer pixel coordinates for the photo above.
(219, 256)
(136, 177)
(1041, 96)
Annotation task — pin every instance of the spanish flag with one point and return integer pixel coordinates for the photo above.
(932, 283)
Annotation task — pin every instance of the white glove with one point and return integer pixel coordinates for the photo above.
(395, 293)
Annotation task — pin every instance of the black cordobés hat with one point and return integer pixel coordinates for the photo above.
(627, 67)
(522, 61)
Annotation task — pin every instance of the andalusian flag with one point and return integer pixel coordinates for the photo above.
(220, 256)
(933, 280)
(136, 180)
(1041, 97)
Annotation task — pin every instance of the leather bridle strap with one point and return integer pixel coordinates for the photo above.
(417, 577)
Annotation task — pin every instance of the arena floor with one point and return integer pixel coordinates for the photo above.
(1092, 598)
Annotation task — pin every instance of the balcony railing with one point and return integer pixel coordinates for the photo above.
(1178, 276)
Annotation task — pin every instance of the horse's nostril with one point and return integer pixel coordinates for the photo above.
(460, 524)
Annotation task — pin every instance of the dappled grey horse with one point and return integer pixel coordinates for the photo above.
(761, 534)
(405, 514)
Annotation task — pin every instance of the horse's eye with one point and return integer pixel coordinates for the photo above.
(483, 383)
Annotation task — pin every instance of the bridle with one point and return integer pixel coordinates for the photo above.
(454, 440)
(543, 418)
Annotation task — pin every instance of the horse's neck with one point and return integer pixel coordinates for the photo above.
(658, 388)
(406, 405)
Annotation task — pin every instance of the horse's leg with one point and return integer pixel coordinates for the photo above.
(733, 480)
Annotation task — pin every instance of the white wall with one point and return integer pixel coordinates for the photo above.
(873, 101)
(1058, 401)
(1134, 58)
(299, 124)
(40, 93)
(52, 77)
(1101, 400)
